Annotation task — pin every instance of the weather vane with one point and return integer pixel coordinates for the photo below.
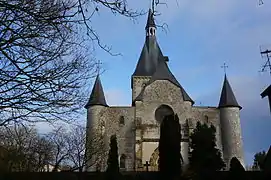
(224, 67)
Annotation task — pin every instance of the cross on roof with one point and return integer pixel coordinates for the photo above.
(224, 66)
(147, 165)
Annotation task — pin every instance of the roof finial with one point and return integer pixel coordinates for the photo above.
(225, 67)
(150, 6)
(98, 67)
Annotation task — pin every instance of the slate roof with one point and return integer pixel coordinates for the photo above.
(150, 54)
(149, 58)
(163, 73)
(150, 21)
(266, 92)
(97, 95)
(227, 98)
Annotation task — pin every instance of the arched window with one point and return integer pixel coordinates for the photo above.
(151, 31)
(123, 161)
(121, 120)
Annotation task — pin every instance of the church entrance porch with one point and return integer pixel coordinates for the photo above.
(148, 145)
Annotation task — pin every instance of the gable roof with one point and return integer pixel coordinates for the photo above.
(97, 95)
(163, 73)
(227, 98)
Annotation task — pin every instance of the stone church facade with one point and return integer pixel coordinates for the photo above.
(156, 93)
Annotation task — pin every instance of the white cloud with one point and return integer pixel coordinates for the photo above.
(116, 97)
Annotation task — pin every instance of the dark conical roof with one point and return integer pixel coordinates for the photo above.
(266, 92)
(163, 73)
(97, 94)
(150, 21)
(227, 98)
(150, 55)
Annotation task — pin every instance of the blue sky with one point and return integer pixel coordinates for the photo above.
(201, 36)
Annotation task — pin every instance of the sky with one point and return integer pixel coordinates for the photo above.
(201, 36)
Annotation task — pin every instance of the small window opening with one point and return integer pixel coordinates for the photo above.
(206, 119)
(122, 161)
(121, 120)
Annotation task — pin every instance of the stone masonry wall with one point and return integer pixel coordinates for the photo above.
(231, 134)
(209, 115)
(125, 133)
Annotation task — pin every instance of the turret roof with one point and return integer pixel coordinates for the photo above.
(97, 95)
(227, 98)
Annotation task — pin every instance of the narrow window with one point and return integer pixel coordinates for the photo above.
(102, 128)
(151, 31)
(186, 128)
(121, 120)
(122, 161)
(206, 119)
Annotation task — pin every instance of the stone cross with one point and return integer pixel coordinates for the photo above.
(224, 66)
(147, 166)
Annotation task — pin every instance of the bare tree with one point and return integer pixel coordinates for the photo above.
(77, 144)
(46, 57)
(71, 148)
(23, 149)
(58, 137)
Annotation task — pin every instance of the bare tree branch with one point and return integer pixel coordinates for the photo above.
(45, 56)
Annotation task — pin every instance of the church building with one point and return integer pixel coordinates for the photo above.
(155, 94)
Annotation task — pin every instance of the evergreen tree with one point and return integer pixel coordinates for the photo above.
(236, 166)
(258, 160)
(205, 156)
(112, 162)
(169, 146)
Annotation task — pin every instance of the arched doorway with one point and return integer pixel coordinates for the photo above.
(162, 111)
(169, 145)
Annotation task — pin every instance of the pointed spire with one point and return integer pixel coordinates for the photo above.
(149, 58)
(151, 52)
(150, 21)
(97, 95)
(227, 98)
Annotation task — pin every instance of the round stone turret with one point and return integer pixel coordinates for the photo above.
(232, 144)
(95, 127)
